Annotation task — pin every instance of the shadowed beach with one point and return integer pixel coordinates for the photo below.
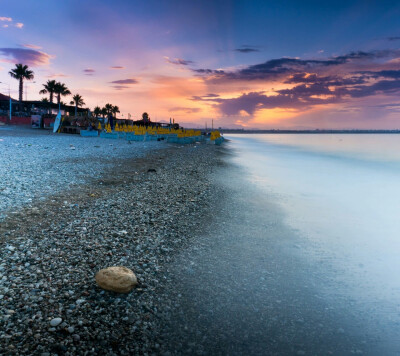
(249, 286)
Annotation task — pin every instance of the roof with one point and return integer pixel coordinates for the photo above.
(5, 97)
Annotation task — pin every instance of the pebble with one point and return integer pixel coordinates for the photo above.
(55, 322)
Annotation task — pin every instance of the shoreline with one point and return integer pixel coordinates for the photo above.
(135, 218)
(247, 285)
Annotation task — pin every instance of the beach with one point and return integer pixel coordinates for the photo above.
(224, 267)
(135, 208)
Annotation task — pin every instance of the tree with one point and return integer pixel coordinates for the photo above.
(145, 117)
(115, 110)
(61, 90)
(21, 72)
(108, 108)
(49, 88)
(97, 111)
(77, 100)
(104, 112)
(44, 100)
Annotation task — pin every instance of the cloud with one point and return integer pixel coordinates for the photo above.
(204, 97)
(56, 75)
(19, 25)
(26, 56)
(312, 78)
(32, 46)
(382, 87)
(302, 96)
(393, 74)
(117, 67)
(5, 26)
(394, 38)
(2, 18)
(178, 61)
(247, 49)
(120, 87)
(251, 102)
(276, 69)
(89, 71)
(185, 110)
(125, 81)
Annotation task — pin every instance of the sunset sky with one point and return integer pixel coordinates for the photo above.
(254, 64)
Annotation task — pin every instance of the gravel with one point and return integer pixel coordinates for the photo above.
(36, 164)
(115, 213)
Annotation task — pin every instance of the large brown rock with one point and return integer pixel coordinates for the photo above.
(117, 279)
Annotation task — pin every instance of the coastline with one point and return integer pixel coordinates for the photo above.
(248, 285)
(51, 250)
(219, 270)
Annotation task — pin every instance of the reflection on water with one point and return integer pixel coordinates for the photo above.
(342, 193)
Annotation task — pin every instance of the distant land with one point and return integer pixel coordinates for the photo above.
(317, 131)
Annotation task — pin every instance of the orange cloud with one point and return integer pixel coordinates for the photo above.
(31, 46)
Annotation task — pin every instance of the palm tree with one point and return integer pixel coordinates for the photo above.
(61, 89)
(97, 111)
(21, 72)
(49, 88)
(108, 108)
(115, 110)
(44, 100)
(104, 112)
(77, 100)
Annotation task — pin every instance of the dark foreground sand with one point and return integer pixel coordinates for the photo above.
(51, 250)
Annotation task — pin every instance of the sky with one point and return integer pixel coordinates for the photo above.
(244, 64)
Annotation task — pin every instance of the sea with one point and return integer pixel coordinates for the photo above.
(340, 193)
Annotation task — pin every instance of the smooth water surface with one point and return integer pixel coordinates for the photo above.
(341, 193)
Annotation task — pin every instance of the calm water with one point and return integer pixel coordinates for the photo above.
(341, 194)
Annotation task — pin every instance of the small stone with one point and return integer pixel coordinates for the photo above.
(55, 322)
(117, 279)
(71, 329)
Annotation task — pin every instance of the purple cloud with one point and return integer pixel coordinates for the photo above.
(89, 71)
(125, 81)
(27, 56)
(120, 87)
(247, 49)
(185, 110)
(275, 69)
(117, 67)
(178, 61)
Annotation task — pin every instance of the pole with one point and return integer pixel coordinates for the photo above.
(9, 95)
